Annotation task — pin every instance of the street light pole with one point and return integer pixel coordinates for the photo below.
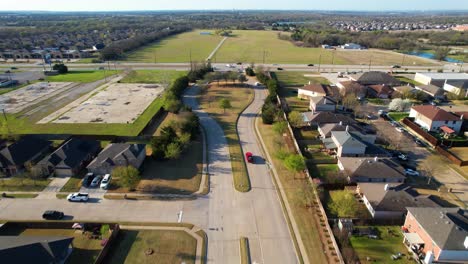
(320, 61)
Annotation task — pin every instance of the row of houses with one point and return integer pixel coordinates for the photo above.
(54, 53)
(37, 156)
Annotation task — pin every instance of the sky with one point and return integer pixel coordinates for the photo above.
(126, 5)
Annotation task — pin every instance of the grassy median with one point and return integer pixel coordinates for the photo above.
(239, 97)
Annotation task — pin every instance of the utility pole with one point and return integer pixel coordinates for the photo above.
(403, 61)
(320, 61)
(370, 63)
(461, 64)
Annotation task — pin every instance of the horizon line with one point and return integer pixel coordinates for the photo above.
(233, 10)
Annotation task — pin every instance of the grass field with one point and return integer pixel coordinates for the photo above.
(379, 57)
(81, 76)
(380, 250)
(16, 184)
(290, 78)
(168, 246)
(397, 116)
(177, 48)
(240, 97)
(321, 170)
(405, 80)
(295, 189)
(153, 76)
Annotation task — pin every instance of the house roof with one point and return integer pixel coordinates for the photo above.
(22, 150)
(326, 129)
(346, 139)
(459, 84)
(115, 152)
(72, 153)
(396, 198)
(435, 113)
(376, 77)
(431, 89)
(369, 168)
(447, 227)
(314, 87)
(381, 89)
(447, 129)
(445, 75)
(41, 249)
(326, 117)
(351, 85)
(403, 88)
(323, 100)
(461, 115)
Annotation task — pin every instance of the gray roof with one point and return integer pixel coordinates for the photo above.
(326, 129)
(347, 139)
(446, 76)
(72, 153)
(41, 249)
(326, 117)
(448, 227)
(459, 84)
(323, 100)
(376, 77)
(431, 89)
(395, 199)
(369, 168)
(22, 150)
(116, 152)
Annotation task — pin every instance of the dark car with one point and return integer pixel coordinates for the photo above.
(396, 66)
(239, 63)
(280, 69)
(13, 68)
(310, 65)
(52, 215)
(88, 179)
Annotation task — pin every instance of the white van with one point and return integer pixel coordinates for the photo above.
(105, 181)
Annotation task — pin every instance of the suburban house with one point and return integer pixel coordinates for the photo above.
(326, 129)
(322, 103)
(35, 249)
(118, 154)
(457, 87)
(70, 158)
(352, 87)
(380, 91)
(348, 143)
(15, 157)
(433, 118)
(318, 118)
(404, 89)
(464, 117)
(311, 90)
(439, 79)
(432, 90)
(389, 200)
(371, 169)
(437, 235)
(374, 78)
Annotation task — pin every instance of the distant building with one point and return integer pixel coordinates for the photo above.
(460, 28)
(439, 79)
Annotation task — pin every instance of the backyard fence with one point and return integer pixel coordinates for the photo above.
(449, 155)
(102, 255)
(430, 138)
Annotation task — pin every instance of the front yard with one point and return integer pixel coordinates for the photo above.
(18, 184)
(380, 250)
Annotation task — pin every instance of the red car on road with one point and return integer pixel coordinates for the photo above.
(249, 157)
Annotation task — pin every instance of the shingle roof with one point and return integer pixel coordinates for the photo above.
(369, 168)
(381, 89)
(431, 89)
(315, 87)
(22, 150)
(446, 75)
(41, 249)
(72, 153)
(376, 77)
(448, 227)
(326, 117)
(116, 151)
(435, 113)
(346, 139)
(396, 198)
(323, 100)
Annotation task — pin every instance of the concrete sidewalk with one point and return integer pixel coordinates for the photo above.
(53, 188)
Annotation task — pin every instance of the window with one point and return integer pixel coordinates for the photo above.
(446, 122)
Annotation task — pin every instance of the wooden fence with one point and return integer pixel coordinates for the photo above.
(451, 156)
(102, 255)
(430, 138)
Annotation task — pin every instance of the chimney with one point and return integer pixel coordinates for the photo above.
(376, 158)
(386, 187)
(341, 123)
(347, 128)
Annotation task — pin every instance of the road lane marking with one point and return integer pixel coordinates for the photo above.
(180, 216)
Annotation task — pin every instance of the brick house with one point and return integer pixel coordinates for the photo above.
(433, 118)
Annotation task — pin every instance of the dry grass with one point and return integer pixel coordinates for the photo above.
(461, 152)
(379, 57)
(240, 97)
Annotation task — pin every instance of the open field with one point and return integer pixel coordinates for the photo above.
(117, 103)
(289, 78)
(81, 76)
(168, 246)
(298, 193)
(163, 77)
(240, 98)
(178, 48)
(85, 250)
(379, 57)
(380, 250)
(17, 100)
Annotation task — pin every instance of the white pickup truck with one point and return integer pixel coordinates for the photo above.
(78, 197)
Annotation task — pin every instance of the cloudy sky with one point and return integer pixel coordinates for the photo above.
(115, 5)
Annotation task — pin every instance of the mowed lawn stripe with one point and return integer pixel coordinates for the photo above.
(178, 48)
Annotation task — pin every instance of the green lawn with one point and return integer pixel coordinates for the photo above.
(168, 247)
(293, 78)
(153, 76)
(73, 184)
(178, 48)
(397, 116)
(321, 170)
(253, 46)
(405, 80)
(380, 250)
(16, 184)
(81, 76)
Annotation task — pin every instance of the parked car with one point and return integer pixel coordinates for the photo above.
(52, 215)
(411, 172)
(393, 123)
(396, 66)
(402, 157)
(106, 181)
(249, 157)
(96, 181)
(399, 129)
(280, 69)
(257, 84)
(87, 179)
(78, 197)
(419, 142)
(239, 63)
(310, 65)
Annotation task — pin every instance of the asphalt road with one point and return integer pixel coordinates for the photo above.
(273, 242)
